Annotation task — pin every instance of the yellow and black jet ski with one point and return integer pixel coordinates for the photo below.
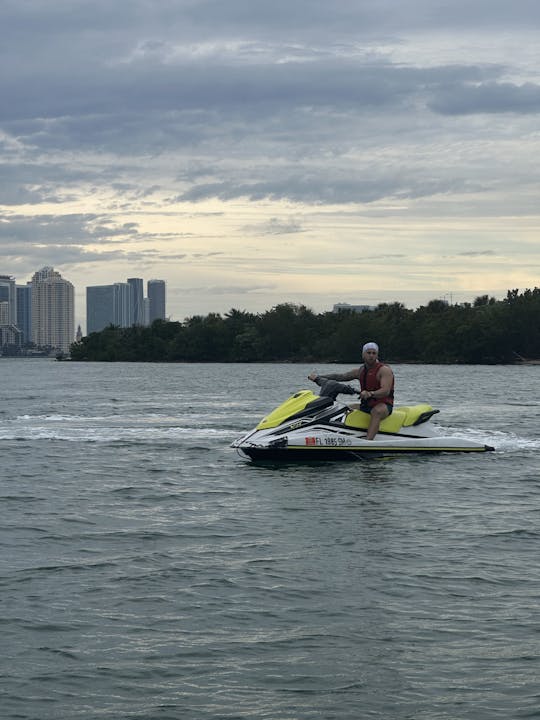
(319, 427)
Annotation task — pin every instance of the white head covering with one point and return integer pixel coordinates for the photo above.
(370, 346)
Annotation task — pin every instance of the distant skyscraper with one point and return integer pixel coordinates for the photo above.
(108, 305)
(53, 310)
(156, 298)
(137, 300)
(24, 311)
(99, 307)
(123, 305)
(146, 305)
(8, 294)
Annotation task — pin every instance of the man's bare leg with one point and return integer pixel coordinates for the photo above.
(378, 413)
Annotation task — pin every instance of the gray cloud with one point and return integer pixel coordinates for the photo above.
(83, 108)
(222, 85)
(65, 229)
(275, 226)
(330, 188)
(478, 253)
(487, 98)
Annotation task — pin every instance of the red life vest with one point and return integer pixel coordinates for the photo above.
(369, 381)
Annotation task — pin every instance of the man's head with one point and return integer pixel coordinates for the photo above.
(370, 352)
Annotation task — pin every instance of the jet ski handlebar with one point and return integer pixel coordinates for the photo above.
(333, 388)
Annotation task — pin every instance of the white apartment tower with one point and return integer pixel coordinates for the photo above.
(53, 310)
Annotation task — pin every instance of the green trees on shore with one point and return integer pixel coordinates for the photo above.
(486, 331)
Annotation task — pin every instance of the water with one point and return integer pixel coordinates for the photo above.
(147, 571)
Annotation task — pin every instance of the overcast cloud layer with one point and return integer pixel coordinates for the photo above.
(252, 153)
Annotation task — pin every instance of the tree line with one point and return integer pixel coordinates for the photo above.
(485, 331)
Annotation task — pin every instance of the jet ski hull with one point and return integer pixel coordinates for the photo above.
(360, 450)
(302, 455)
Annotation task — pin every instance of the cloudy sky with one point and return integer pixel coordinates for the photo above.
(253, 152)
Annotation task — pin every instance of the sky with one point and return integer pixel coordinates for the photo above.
(252, 153)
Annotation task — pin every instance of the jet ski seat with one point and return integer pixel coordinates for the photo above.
(416, 414)
(359, 419)
(402, 416)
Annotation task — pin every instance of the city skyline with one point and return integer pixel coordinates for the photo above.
(42, 310)
(124, 304)
(252, 154)
(80, 307)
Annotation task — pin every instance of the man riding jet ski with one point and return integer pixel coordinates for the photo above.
(311, 427)
(376, 383)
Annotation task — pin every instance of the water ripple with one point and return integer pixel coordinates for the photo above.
(149, 573)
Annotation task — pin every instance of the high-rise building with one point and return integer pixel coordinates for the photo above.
(156, 298)
(123, 306)
(53, 310)
(99, 307)
(146, 305)
(24, 311)
(137, 300)
(8, 294)
(108, 305)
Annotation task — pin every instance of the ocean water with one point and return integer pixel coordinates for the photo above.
(147, 571)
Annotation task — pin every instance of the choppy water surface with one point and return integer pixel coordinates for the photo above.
(147, 571)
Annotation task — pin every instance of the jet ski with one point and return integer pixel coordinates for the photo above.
(319, 427)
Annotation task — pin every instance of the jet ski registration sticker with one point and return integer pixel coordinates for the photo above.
(332, 440)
